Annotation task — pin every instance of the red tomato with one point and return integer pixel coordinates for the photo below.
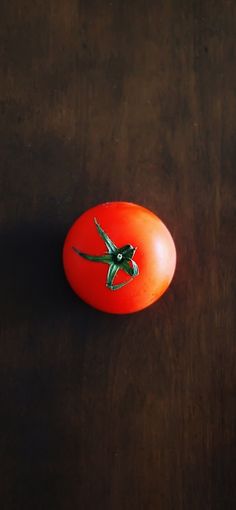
(119, 257)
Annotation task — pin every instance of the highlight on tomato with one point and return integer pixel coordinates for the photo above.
(119, 257)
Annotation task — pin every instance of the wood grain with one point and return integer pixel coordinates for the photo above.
(106, 100)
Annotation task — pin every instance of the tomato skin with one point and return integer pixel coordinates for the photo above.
(125, 223)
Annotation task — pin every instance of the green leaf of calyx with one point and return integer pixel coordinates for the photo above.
(112, 248)
(106, 258)
(112, 271)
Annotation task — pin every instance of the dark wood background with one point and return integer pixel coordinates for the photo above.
(129, 100)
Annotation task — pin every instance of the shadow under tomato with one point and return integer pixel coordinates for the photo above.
(32, 278)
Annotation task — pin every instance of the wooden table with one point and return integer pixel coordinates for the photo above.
(117, 100)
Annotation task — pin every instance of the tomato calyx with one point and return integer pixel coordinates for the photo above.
(116, 258)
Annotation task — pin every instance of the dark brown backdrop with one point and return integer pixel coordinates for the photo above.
(106, 100)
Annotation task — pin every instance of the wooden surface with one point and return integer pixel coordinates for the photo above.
(128, 100)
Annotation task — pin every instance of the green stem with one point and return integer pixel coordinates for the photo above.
(117, 258)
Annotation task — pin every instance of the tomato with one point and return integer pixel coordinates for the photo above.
(119, 257)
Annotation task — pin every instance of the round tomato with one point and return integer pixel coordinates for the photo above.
(119, 257)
